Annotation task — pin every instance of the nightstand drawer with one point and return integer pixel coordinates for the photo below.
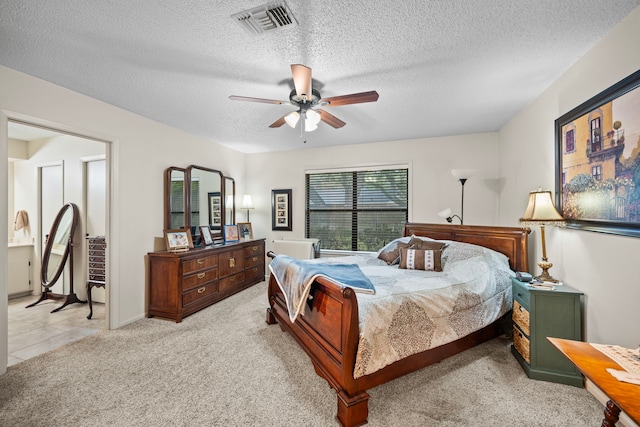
(521, 343)
(521, 317)
(522, 295)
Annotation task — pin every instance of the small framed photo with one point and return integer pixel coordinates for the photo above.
(246, 232)
(231, 233)
(281, 210)
(178, 240)
(205, 232)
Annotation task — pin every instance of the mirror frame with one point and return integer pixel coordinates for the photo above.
(227, 186)
(167, 195)
(47, 250)
(233, 197)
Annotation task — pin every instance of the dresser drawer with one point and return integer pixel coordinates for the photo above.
(255, 273)
(256, 249)
(231, 262)
(521, 317)
(202, 263)
(254, 260)
(232, 283)
(199, 293)
(99, 253)
(198, 279)
(521, 343)
(97, 277)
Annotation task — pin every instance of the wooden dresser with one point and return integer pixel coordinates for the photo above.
(181, 283)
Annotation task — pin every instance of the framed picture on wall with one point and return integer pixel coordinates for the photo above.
(281, 210)
(215, 210)
(598, 161)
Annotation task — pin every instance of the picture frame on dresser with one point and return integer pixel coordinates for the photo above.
(281, 210)
(231, 233)
(598, 161)
(246, 231)
(178, 240)
(207, 238)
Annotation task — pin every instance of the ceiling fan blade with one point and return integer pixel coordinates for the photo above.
(354, 98)
(302, 80)
(278, 122)
(266, 101)
(330, 119)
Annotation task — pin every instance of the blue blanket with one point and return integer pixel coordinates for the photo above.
(295, 277)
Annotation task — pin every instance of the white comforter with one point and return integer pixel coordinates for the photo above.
(413, 311)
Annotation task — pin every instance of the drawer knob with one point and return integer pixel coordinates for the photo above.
(200, 261)
(232, 262)
(201, 290)
(201, 275)
(255, 248)
(255, 258)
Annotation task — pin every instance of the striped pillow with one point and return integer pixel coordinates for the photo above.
(421, 259)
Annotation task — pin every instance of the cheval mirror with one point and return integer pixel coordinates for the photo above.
(59, 248)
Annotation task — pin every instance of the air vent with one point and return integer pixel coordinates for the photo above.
(268, 17)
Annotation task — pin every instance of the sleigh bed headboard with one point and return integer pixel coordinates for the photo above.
(510, 241)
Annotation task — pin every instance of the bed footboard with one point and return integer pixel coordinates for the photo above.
(328, 333)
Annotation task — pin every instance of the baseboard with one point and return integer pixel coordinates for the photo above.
(602, 398)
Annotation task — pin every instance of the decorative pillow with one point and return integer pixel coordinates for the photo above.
(418, 243)
(421, 259)
(392, 255)
(386, 253)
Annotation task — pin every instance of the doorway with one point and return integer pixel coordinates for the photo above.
(47, 168)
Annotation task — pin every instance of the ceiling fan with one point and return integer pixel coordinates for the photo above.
(309, 101)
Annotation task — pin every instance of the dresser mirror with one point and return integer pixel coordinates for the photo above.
(197, 196)
(230, 205)
(175, 198)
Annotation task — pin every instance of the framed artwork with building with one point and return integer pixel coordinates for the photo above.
(598, 161)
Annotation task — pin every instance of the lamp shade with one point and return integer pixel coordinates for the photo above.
(541, 210)
(292, 118)
(463, 173)
(247, 203)
(446, 213)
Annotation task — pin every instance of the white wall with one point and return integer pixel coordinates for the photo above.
(139, 152)
(431, 189)
(603, 266)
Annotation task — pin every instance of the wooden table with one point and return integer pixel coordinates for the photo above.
(593, 364)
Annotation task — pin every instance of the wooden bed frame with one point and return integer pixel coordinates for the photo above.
(329, 332)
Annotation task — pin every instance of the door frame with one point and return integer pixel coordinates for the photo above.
(110, 217)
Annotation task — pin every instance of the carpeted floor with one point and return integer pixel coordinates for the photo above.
(224, 366)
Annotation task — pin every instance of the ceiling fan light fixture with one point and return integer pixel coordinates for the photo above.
(309, 126)
(292, 118)
(313, 117)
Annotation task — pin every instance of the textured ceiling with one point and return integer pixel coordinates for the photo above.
(441, 67)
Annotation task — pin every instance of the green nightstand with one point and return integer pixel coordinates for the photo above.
(538, 314)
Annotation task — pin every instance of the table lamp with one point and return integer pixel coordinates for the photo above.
(541, 211)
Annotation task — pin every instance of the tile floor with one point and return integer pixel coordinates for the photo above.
(35, 330)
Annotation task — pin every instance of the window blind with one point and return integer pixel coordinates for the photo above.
(356, 210)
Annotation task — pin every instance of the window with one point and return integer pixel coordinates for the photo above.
(570, 142)
(596, 172)
(596, 141)
(356, 210)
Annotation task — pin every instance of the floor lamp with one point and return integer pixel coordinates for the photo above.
(462, 175)
(541, 211)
